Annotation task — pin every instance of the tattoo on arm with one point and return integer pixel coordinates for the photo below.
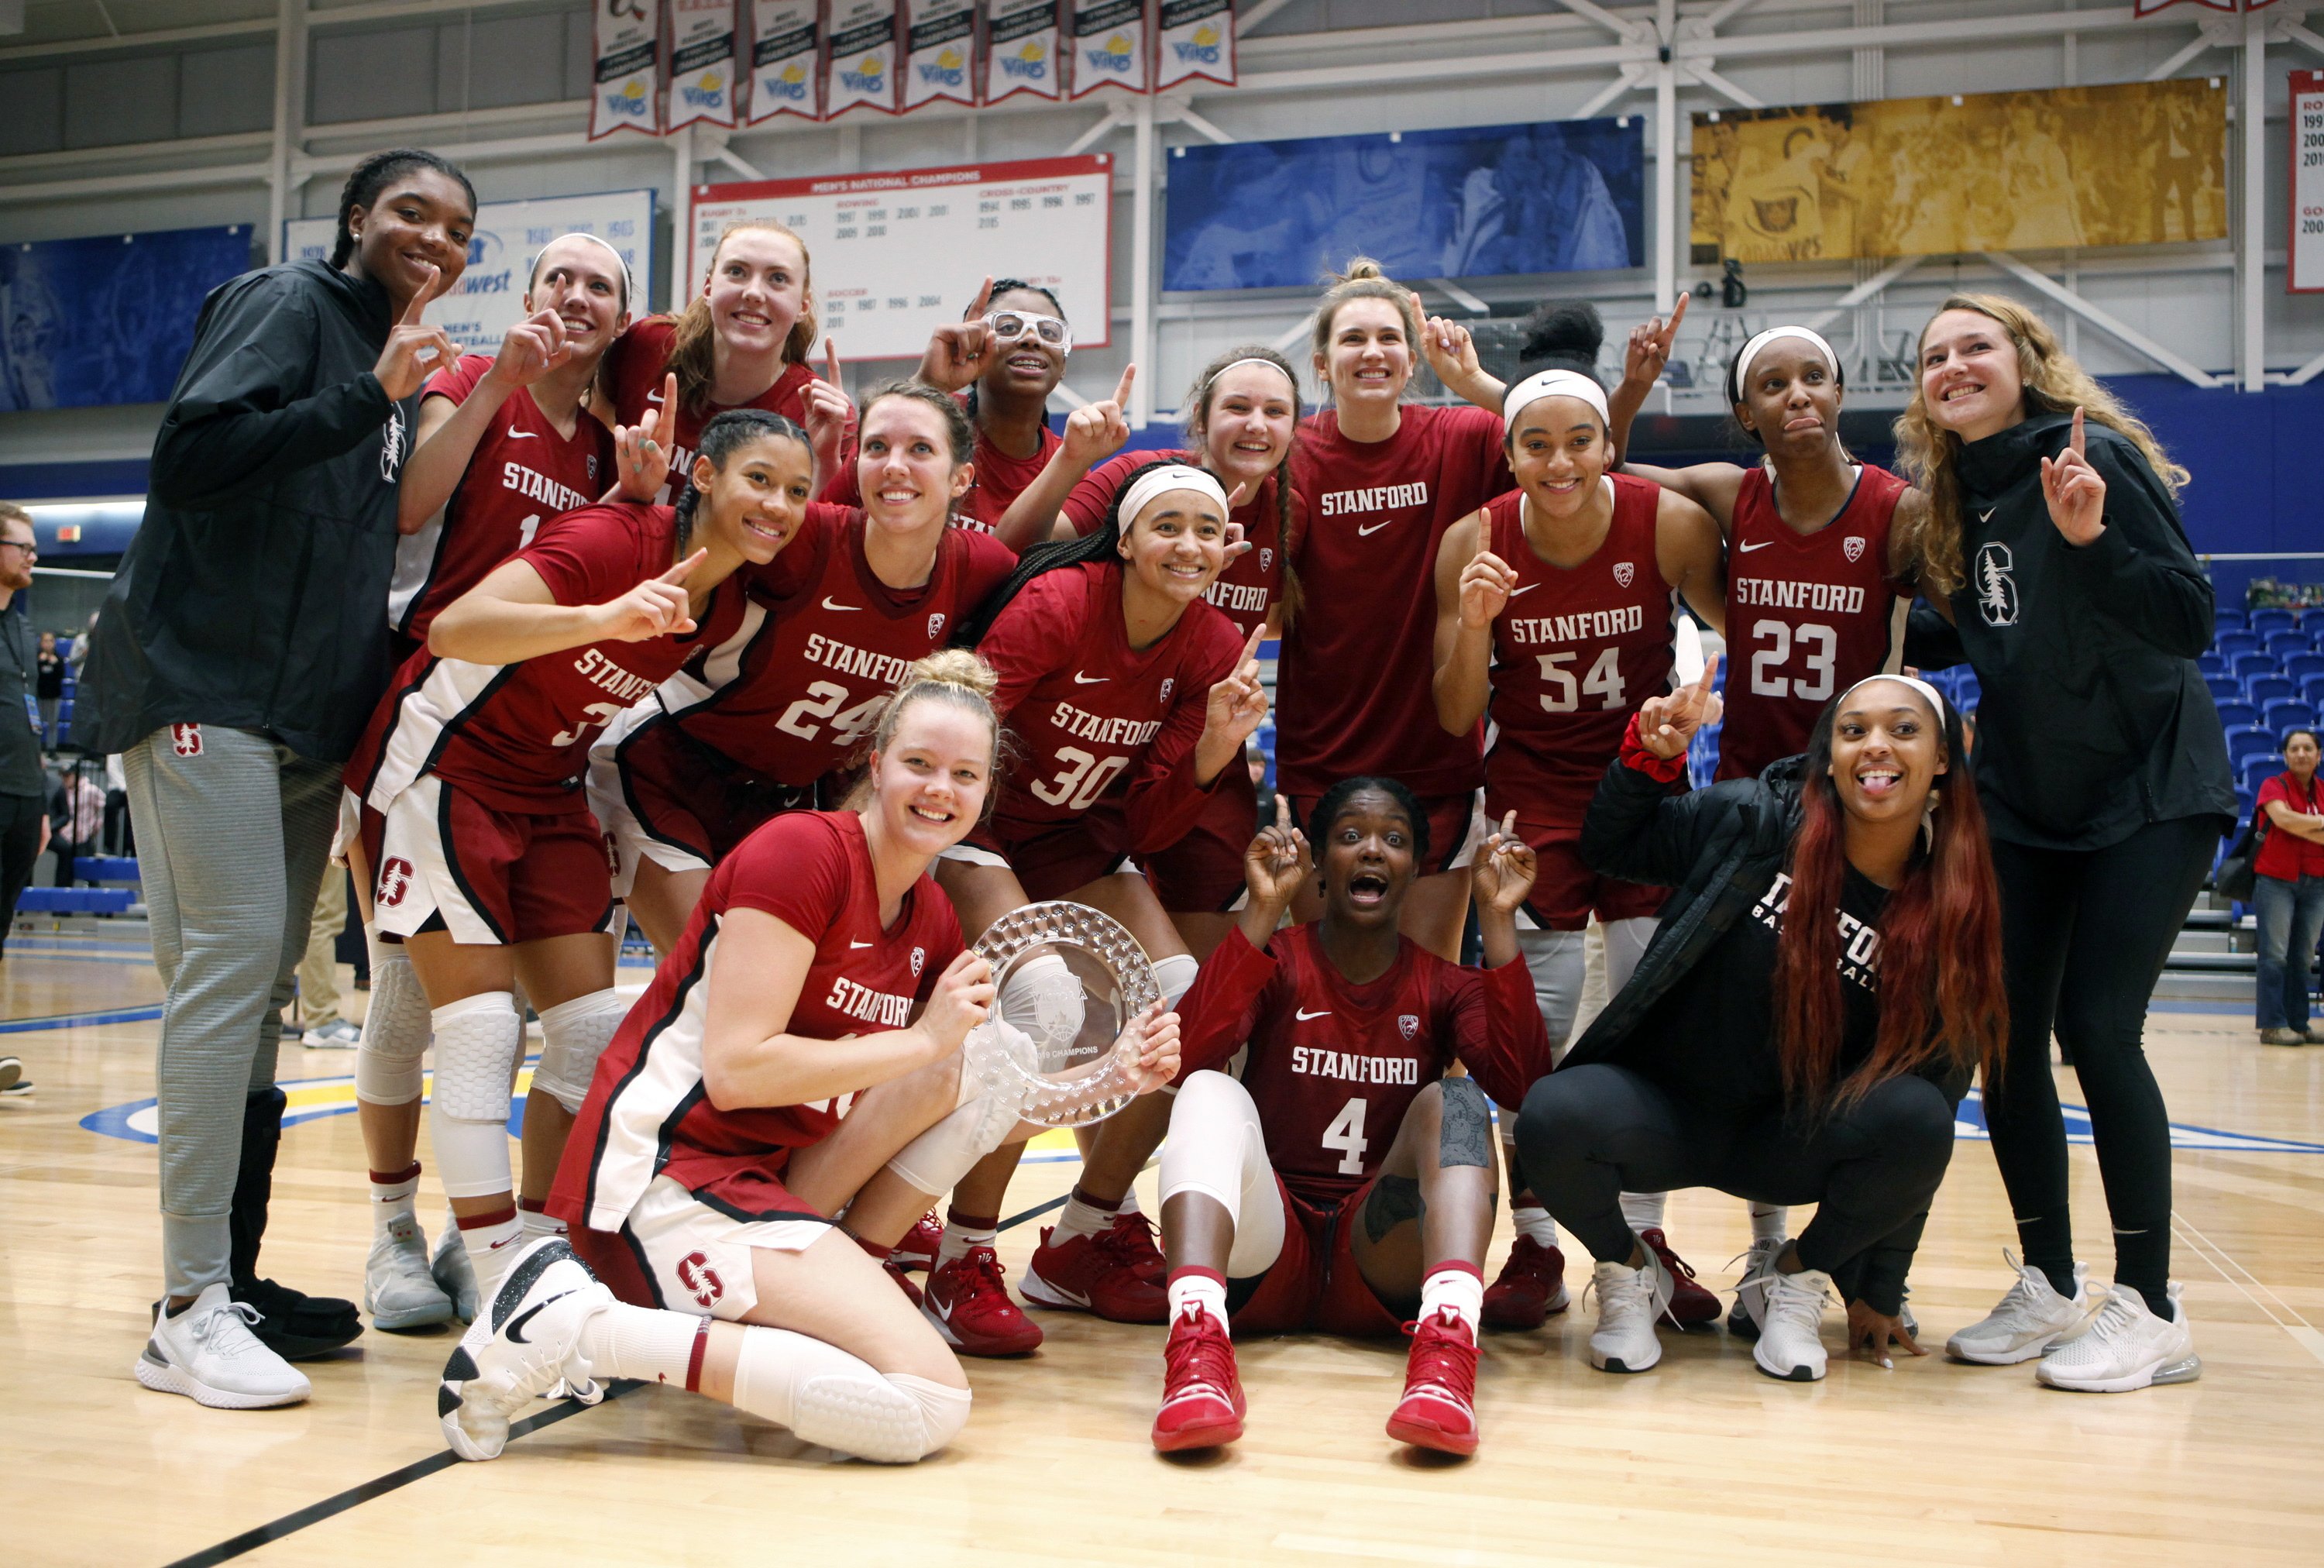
(1394, 1200)
(1464, 1132)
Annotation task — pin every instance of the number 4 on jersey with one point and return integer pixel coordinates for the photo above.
(1346, 1134)
(1604, 680)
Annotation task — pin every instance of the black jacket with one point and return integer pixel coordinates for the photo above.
(253, 595)
(2093, 718)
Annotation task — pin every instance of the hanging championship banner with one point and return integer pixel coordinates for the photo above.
(1020, 49)
(863, 72)
(628, 49)
(1194, 38)
(785, 63)
(1108, 45)
(939, 47)
(2305, 275)
(702, 64)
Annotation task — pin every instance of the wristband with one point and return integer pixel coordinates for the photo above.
(1635, 755)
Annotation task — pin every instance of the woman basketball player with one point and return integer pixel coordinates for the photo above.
(1129, 700)
(750, 727)
(796, 1055)
(2067, 577)
(1339, 1180)
(485, 858)
(1826, 981)
(1554, 616)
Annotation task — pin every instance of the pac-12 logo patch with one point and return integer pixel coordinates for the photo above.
(396, 875)
(1169, 684)
(1852, 546)
(920, 958)
(694, 1272)
(186, 740)
(1407, 1024)
(936, 625)
(1996, 584)
(1623, 572)
(1266, 559)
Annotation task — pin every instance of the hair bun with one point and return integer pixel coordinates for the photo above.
(958, 667)
(1359, 269)
(1568, 333)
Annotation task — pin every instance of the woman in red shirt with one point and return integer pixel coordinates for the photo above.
(2288, 893)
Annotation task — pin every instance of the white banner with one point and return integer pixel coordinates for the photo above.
(1108, 45)
(786, 59)
(1194, 38)
(628, 51)
(862, 57)
(489, 298)
(2306, 274)
(702, 63)
(939, 52)
(1020, 49)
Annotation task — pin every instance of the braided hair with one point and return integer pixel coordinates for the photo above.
(726, 435)
(372, 176)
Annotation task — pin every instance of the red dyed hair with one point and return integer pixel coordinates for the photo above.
(1941, 986)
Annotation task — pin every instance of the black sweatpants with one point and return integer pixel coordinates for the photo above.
(19, 850)
(2084, 935)
(1588, 1134)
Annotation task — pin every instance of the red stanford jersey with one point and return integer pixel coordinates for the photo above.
(1808, 615)
(1355, 694)
(640, 358)
(516, 736)
(1334, 1065)
(1252, 581)
(1095, 721)
(1000, 480)
(523, 473)
(648, 1113)
(1574, 653)
(799, 689)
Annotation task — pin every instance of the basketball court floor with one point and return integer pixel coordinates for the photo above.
(1701, 1461)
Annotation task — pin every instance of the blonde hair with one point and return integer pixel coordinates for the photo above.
(1363, 280)
(692, 347)
(1929, 455)
(958, 675)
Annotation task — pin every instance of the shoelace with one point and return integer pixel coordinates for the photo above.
(983, 1266)
(1442, 1355)
(1128, 1240)
(1201, 1357)
(1672, 1261)
(215, 1332)
(1786, 1298)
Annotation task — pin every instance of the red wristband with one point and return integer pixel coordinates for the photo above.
(1668, 769)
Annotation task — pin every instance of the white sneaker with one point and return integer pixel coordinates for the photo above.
(2125, 1347)
(1629, 1302)
(338, 1035)
(520, 1347)
(2029, 1318)
(454, 1273)
(399, 1291)
(1791, 1326)
(1750, 1308)
(207, 1353)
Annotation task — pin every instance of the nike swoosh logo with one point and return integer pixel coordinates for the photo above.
(1303, 1015)
(829, 605)
(1986, 515)
(654, 397)
(859, 945)
(516, 1326)
(1080, 679)
(1521, 593)
(517, 435)
(1745, 549)
(1375, 528)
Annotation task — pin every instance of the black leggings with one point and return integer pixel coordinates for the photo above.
(1588, 1134)
(2084, 933)
(19, 850)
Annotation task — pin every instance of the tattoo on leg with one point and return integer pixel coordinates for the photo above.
(1394, 1200)
(1464, 1131)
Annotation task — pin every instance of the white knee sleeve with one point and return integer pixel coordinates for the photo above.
(1216, 1148)
(1626, 944)
(478, 1041)
(1555, 962)
(574, 1034)
(981, 1121)
(830, 1397)
(1042, 998)
(1176, 976)
(395, 1031)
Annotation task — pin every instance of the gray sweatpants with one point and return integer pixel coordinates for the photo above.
(232, 834)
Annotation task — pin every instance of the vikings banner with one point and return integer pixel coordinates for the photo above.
(786, 60)
(702, 64)
(1108, 45)
(862, 70)
(1195, 38)
(628, 50)
(939, 46)
(1020, 49)
(2149, 8)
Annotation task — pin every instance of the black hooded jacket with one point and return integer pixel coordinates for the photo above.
(254, 593)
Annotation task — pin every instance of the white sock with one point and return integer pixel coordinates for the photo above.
(538, 1222)
(641, 1341)
(1128, 1203)
(1536, 1225)
(1459, 1291)
(1187, 1287)
(1643, 1211)
(958, 1239)
(392, 1200)
(490, 1244)
(1768, 1221)
(1080, 1218)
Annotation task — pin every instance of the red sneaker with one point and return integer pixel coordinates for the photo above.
(1439, 1410)
(1532, 1286)
(1689, 1304)
(918, 1250)
(970, 1306)
(1202, 1394)
(1117, 1273)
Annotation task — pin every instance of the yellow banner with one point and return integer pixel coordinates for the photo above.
(2135, 164)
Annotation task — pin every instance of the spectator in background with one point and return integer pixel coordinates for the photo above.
(76, 820)
(24, 787)
(320, 1025)
(2288, 893)
(52, 686)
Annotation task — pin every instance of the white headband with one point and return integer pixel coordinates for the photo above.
(1251, 359)
(1170, 476)
(1554, 383)
(1936, 698)
(1741, 369)
(629, 288)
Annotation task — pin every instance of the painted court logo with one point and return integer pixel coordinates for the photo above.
(1996, 584)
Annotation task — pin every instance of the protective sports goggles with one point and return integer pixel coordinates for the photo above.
(1009, 326)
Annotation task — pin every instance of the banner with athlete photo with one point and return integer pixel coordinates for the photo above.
(863, 67)
(1020, 49)
(109, 318)
(939, 52)
(702, 63)
(1194, 38)
(1108, 45)
(628, 50)
(786, 60)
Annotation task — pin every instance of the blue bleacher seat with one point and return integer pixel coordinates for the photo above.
(2311, 686)
(2224, 618)
(2286, 644)
(2258, 771)
(2248, 741)
(2250, 662)
(2268, 687)
(2266, 621)
(75, 900)
(2230, 643)
(2287, 713)
(2233, 711)
(2300, 666)
(2211, 664)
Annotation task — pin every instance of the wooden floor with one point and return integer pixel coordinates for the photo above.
(1701, 1459)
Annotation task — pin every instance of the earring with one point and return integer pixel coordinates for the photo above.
(1928, 820)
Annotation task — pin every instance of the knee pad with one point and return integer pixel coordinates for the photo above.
(841, 1401)
(395, 1030)
(1217, 1149)
(573, 1034)
(1555, 960)
(1042, 998)
(478, 1041)
(1176, 975)
(944, 1409)
(981, 1119)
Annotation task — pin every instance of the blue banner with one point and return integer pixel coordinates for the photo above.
(109, 318)
(1487, 201)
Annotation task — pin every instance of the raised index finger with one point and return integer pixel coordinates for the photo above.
(983, 299)
(1678, 313)
(831, 359)
(1250, 645)
(420, 300)
(1710, 673)
(676, 573)
(1121, 389)
(2077, 442)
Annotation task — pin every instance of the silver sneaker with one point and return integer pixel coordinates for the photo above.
(1750, 1308)
(1630, 1301)
(207, 1353)
(338, 1035)
(2125, 1347)
(399, 1291)
(2029, 1318)
(1791, 1326)
(523, 1346)
(455, 1276)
